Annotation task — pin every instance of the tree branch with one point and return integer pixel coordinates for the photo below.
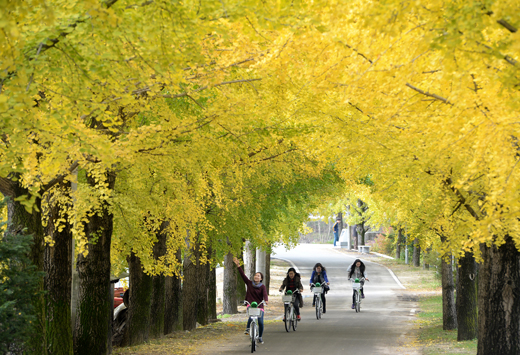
(449, 184)
(60, 178)
(437, 97)
(273, 156)
(208, 86)
(507, 25)
(6, 187)
(62, 35)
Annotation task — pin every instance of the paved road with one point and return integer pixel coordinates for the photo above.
(382, 327)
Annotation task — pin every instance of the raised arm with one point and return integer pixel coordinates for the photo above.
(244, 277)
(312, 277)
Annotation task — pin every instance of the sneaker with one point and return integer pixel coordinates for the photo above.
(298, 318)
(260, 340)
(247, 331)
(353, 305)
(362, 296)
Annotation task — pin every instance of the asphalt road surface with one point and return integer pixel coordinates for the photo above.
(382, 327)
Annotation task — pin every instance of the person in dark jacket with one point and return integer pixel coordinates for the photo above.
(336, 230)
(319, 274)
(293, 282)
(357, 271)
(255, 292)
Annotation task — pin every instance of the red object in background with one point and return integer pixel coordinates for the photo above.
(118, 296)
(117, 301)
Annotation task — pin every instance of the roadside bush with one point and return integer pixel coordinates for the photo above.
(384, 244)
(18, 285)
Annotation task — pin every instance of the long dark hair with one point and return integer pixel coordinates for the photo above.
(293, 270)
(322, 267)
(353, 267)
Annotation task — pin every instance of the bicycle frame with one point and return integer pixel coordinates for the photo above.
(254, 334)
(318, 291)
(356, 286)
(290, 317)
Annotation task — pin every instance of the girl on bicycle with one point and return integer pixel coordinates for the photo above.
(357, 271)
(293, 282)
(319, 274)
(255, 292)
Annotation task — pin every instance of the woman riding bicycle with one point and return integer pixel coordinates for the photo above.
(293, 282)
(319, 274)
(357, 271)
(255, 292)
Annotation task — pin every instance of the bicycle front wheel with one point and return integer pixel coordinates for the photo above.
(288, 319)
(318, 307)
(358, 302)
(253, 336)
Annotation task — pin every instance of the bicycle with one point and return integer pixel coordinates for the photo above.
(356, 286)
(317, 289)
(290, 315)
(253, 311)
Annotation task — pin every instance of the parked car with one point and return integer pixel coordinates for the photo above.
(118, 296)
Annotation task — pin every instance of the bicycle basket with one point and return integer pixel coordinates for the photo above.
(317, 289)
(255, 312)
(356, 285)
(287, 298)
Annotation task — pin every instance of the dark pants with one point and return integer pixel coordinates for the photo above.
(322, 301)
(260, 324)
(335, 238)
(296, 307)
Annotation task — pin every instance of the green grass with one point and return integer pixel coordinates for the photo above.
(220, 316)
(432, 337)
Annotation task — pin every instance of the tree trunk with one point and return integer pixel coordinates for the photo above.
(58, 279)
(426, 252)
(203, 293)
(499, 300)
(355, 237)
(194, 303)
(212, 293)
(398, 244)
(140, 301)
(340, 226)
(30, 223)
(416, 259)
(159, 287)
(230, 286)
(173, 310)
(241, 286)
(250, 260)
(449, 314)
(467, 298)
(267, 275)
(92, 333)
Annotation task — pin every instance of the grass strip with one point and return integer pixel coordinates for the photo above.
(432, 337)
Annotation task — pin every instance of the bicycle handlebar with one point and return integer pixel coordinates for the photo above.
(361, 279)
(249, 304)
